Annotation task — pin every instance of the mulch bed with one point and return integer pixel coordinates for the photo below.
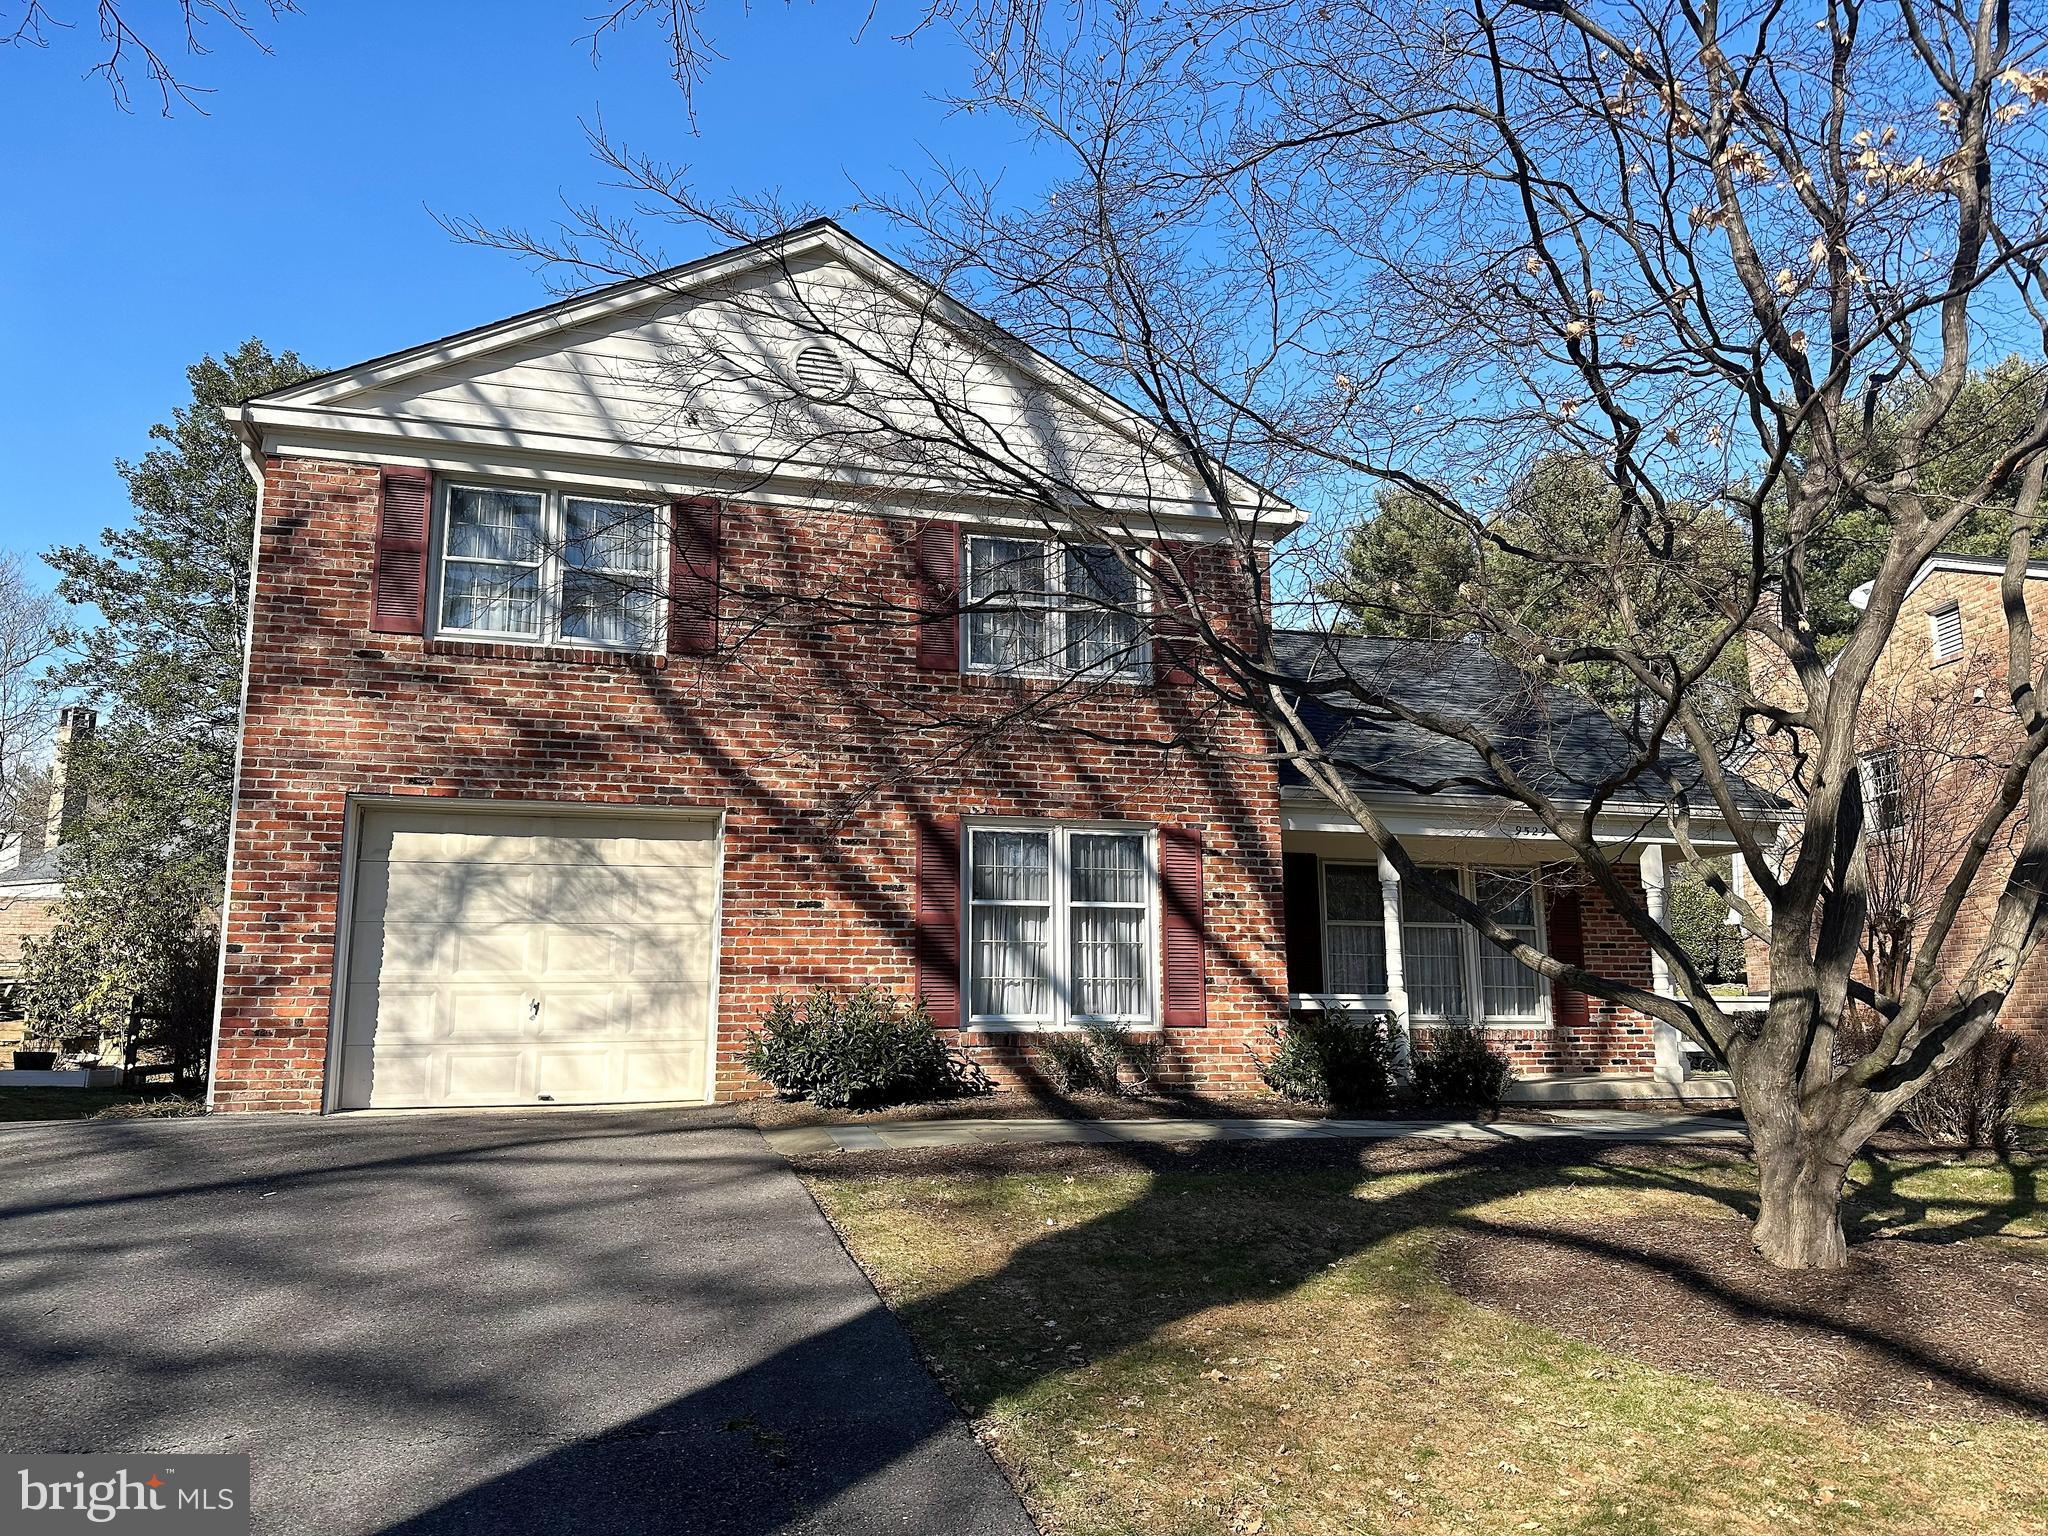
(1025, 1104)
(1910, 1329)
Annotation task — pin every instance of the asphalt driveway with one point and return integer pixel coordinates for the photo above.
(569, 1322)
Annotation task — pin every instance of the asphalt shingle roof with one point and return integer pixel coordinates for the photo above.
(1559, 743)
(37, 869)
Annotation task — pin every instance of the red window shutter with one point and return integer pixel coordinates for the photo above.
(1173, 639)
(1184, 933)
(938, 918)
(693, 578)
(1565, 924)
(398, 588)
(938, 597)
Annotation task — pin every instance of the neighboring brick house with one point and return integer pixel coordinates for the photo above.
(590, 708)
(31, 878)
(1937, 730)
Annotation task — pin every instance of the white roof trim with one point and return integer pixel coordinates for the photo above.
(1966, 565)
(294, 404)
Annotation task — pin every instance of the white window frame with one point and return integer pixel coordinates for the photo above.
(1867, 766)
(1136, 667)
(554, 514)
(1060, 936)
(1372, 867)
(1938, 654)
(1471, 945)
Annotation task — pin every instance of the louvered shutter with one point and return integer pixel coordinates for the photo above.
(937, 593)
(693, 578)
(1301, 885)
(1184, 935)
(938, 918)
(1173, 638)
(1565, 925)
(398, 589)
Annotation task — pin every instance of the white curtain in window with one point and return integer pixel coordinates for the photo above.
(1106, 894)
(1102, 626)
(1010, 893)
(1509, 989)
(1433, 947)
(608, 572)
(1007, 626)
(1355, 948)
(490, 578)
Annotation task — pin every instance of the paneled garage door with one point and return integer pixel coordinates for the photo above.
(517, 958)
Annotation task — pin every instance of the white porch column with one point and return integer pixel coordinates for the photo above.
(1670, 1044)
(1397, 979)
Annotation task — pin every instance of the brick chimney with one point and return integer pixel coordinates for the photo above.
(67, 797)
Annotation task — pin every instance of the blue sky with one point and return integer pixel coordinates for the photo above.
(298, 208)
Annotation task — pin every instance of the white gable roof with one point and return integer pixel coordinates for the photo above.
(689, 380)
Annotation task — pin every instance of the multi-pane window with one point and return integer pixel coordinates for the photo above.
(544, 566)
(1433, 953)
(1035, 606)
(1450, 971)
(1508, 989)
(1059, 922)
(1354, 932)
(1884, 791)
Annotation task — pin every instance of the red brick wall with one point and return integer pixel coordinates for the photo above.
(1960, 716)
(1614, 1038)
(820, 746)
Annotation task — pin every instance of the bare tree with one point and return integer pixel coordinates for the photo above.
(143, 40)
(1330, 248)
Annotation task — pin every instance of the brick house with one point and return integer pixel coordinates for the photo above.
(590, 707)
(31, 874)
(1937, 730)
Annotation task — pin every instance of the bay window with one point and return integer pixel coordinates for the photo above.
(550, 567)
(1059, 924)
(1038, 607)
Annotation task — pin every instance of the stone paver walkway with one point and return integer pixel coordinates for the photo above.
(1569, 1124)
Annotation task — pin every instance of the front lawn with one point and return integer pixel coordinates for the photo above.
(1266, 1339)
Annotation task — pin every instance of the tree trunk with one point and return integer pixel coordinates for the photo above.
(1799, 1217)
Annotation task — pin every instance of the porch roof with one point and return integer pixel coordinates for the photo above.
(1562, 745)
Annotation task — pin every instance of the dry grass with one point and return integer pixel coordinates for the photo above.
(1251, 1341)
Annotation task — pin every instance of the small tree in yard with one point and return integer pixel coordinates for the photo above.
(1738, 276)
(143, 867)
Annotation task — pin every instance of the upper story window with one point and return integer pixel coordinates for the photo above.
(1043, 608)
(1059, 923)
(1884, 791)
(1945, 633)
(550, 567)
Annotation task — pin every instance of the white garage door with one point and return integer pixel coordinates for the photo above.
(511, 958)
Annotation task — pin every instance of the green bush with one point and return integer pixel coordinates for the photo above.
(1099, 1058)
(1338, 1058)
(1455, 1068)
(857, 1050)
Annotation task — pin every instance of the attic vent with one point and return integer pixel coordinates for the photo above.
(820, 372)
(1947, 627)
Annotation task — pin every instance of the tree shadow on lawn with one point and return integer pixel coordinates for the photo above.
(1097, 1281)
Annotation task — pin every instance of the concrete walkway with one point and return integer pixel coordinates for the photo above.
(1605, 1125)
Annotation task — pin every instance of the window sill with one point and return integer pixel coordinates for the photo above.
(1135, 1026)
(534, 650)
(1076, 684)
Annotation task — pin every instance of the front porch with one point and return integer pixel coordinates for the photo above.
(1357, 941)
